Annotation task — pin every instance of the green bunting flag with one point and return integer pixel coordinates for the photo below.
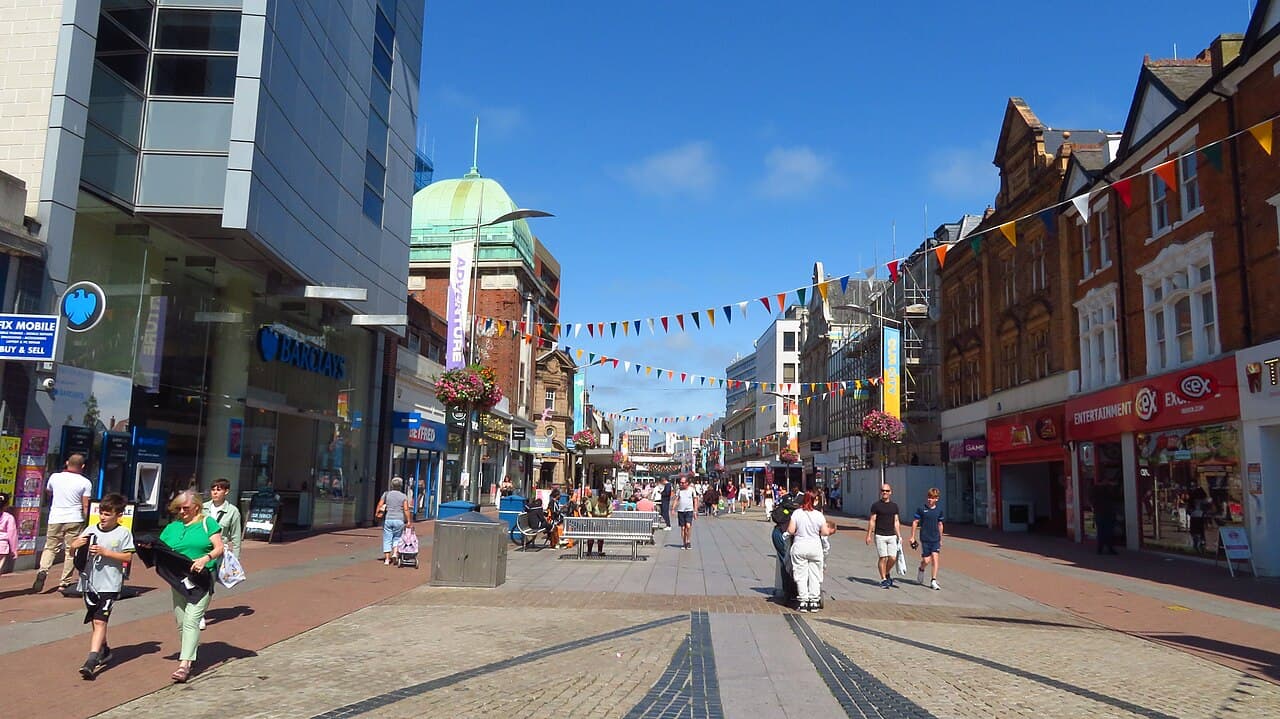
(800, 294)
(976, 243)
(1213, 153)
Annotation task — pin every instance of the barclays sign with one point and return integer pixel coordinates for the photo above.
(274, 346)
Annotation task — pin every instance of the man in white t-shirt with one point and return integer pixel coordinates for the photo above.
(68, 510)
(686, 506)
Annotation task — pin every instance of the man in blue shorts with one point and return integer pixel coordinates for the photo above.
(927, 524)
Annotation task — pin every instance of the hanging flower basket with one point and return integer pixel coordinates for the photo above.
(789, 456)
(586, 439)
(474, 386)
(883, 426)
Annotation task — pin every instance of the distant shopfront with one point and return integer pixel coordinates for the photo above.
(1030, 479)
(417, 456)
(1167, 449)
(966, 491)
(1258, 377)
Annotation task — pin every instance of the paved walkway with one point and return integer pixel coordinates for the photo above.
(693, 634)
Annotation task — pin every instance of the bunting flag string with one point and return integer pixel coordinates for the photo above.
(1262, 133)
(555, 329)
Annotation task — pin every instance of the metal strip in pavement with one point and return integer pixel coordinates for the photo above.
(377, 702)
(1022, 673)
(859, 693)
(689, 687)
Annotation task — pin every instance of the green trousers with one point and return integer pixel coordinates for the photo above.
(188, 616)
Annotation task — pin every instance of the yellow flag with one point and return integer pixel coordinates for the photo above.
(1262, 133)
(822, 290)
(711, 316)
(1010, 233)
(502, 327)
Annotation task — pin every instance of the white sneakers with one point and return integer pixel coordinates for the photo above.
(920, 576)
(933, 584)
(202, 624)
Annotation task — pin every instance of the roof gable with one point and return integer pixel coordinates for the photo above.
(1264, 25)
(1164, 89)
(1017, 116)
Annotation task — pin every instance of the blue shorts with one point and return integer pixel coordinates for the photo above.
(927, 548)
(685, 518)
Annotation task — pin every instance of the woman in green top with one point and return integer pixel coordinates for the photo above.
(197, 537)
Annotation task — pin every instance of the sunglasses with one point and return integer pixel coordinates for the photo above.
(886, 491)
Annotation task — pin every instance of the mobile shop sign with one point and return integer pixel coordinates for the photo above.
(275, 346)
(1205, 393)
(29, 338)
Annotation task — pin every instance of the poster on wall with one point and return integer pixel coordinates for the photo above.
(235, 437)
(9, 447)
(30, 487)
(95, 400)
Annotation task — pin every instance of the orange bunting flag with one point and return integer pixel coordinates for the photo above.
(1169, 173)
(711, 316)
(941, 251)
(670, 374)
(1010, 232)
(1262, 133)
(680, 319)
(624, 328)
(782, 301)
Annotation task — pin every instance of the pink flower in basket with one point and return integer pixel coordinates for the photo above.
(883, 426)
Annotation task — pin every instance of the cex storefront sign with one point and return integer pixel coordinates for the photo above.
(1205, 393)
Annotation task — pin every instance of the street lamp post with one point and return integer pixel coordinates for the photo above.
(468, 456)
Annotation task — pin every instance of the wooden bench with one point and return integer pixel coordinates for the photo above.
(636, 514)
(635, 530)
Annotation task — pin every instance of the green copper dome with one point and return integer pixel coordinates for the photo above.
(448, 204)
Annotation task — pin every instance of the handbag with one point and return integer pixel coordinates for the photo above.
(230, 571)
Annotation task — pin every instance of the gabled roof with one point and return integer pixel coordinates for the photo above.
(559, 355)
(1017, 111)
(1165, 89)
(1263, 26)
(1085, 166)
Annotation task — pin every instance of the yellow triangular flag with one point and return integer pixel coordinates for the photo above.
(1010, 233)
(711, 316)
(579, 354)
(822, 290)
(502, 327)
(1262, 133)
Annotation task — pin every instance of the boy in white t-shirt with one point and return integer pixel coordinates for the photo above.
(110, 546)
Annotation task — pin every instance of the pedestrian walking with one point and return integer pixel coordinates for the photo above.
(731, 497)
(808, 527)
(686, 507)
(1102, 498)
(198, 538)
(227, 515)
(8, 535)
(600, 505)
(68, 511)
(711, 500)
(883, 524)
(926, 524)
(662, 495)
(767, 494)
(106, 548)
(393, 508)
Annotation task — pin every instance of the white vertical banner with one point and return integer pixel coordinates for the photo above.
(459, 293)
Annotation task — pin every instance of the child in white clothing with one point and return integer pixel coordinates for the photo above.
(826, 541)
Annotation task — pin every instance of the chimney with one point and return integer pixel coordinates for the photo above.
(1224, 49)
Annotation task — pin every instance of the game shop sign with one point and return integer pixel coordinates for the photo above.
(1205, 393)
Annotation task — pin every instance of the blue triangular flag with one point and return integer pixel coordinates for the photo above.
(844, 284)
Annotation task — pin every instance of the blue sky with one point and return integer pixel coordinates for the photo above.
(699, 154)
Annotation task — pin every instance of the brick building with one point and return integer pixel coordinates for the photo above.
(1006, 332)
(516, 279)
(1177, 247)
(553, 392)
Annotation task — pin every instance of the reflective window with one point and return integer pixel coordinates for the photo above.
(109, 164)
(122, 53)
(372, 205)
(379, 95)
(193, 76)
(197, 30)
(132, 15)
(374, 173)
(382, 62)
(377, 140)
(383, 30)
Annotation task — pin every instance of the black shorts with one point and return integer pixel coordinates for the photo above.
(98, 605)
(686, 518)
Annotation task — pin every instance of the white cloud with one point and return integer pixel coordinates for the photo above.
(688, 168)
(792, 171)
(495, 120)
(963, 172)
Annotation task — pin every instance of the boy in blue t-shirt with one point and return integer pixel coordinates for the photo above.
(927, 523)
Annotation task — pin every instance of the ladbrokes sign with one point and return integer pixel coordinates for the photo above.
(1195, 395)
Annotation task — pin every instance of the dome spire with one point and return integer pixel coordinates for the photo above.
(475, 155)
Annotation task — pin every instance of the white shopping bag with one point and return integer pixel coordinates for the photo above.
(902, 560)
(230, 573)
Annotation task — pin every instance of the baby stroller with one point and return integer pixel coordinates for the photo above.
(407, 549)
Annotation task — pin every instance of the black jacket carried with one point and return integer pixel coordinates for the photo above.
(175, 569)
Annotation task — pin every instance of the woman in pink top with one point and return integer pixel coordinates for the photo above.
(8, 534)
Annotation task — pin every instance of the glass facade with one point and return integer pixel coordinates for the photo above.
(251, 386)
(1189, 485)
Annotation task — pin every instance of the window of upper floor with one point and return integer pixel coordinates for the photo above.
(1099, 345)
(1039, 266)
(1180, 305)
(788, 341)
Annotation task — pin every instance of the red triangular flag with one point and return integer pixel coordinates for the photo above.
(765, 301)
(664, 323)
(680, 319)
(615, 364)
(893, 271)
(1124, 188)
(682, 376)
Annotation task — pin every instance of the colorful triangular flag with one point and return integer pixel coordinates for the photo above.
(1010, 232)
(800, 294)
(1262, 133)
(941, 252)
(1167, 172)
(696, 323)
(1081, 203)
(782, 302)
(680, 319)
(1124, 189)
(844, 284)
(975, 243)
(1213, 154)
(893, 270)
(711, 316)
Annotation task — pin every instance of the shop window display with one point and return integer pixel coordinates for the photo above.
(1102, 471)
(1188, 486)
